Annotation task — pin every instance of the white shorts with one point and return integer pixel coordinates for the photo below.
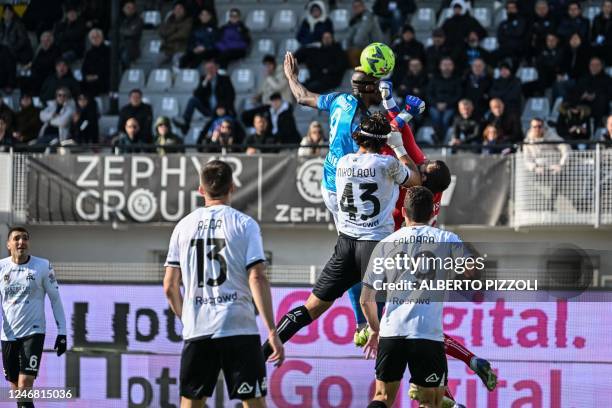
(329, 198)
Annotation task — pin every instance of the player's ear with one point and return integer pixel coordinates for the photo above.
(404, 215)
(201, 190)
(232, 188)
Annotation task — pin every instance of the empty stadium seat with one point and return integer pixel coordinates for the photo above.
(243, 80)
(489, 43)
(483, 15)
(535, 107)
(290, 44)
(8, 101)
(151, 18)
(424, 19)
(164, 106)
(132, 78)
(340, 18)
(591, 12)
(500, 16)
(527, 74)
(151, 49)
(446, 13)
(108, 126)
(160, 80)
(262, 47)
(186, 80)
(284, 21)
(257, 20)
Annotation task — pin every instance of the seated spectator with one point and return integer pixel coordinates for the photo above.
(57, 118)
(466, 126)
(261, 136)
(508, 88)
(8, 69)
(96, 65)
(507, 123)
(70, 34)
(130, 33)
(606, 135)
(140, 111)
(6, 137)
(7, 113)
(595, 90)
(85, 121)
(542, 24)
(443, 93)
(166, 141)
(460, 24)
(280, 117)
(326, 64)
(363, 30)
(512, 35)
(490, 142)
(274, 81)
(221, 114)
(550, 62)
(129, 139)
(392, 14)
(27, 120)
(406, 48)
(223, 138)
(234, 40)
(174, 32)
(310, 144)
(44, 60)
(314, 24)
(577, 57)
(574, 22)
(214, 89)
(62, 77)
(574, 117)
(601, 33)
(414, 82)
(477, 85)
(473, 50)
(13, 34)
(438, 50)
(202, 40)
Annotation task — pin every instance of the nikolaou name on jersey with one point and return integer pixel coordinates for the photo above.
(355, 172)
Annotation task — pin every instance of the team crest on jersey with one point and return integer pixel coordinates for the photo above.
(30, 276)
(51, 277)
(7, 277)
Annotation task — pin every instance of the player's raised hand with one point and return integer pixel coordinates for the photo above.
(60, 344)
(414, 105)
(371, 347)
(290, 66)
(278, 351)
(386, 89)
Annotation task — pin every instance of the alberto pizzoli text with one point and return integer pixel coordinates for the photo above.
(459, 285)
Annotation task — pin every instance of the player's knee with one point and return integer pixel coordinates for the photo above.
(429, 397)
(254, 403)
(191, 403)
(316, 307)
(25, 381)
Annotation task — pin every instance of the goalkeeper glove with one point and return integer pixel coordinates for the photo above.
(386, 91)
(60, 344)
(414, 107)
(396, 143)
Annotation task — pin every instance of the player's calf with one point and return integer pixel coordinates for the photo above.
(192, 403)
(254, 403)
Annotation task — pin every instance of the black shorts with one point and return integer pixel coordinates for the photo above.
(345, 268)
(426, 361)
(240, 358)
(22, 356)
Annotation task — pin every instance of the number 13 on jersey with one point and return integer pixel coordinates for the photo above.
(212, 247)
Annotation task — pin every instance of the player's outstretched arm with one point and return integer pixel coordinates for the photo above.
(396, 143)
(52, 289)
(262, 296)
(370, 311)
(302, 95)
(172, 289)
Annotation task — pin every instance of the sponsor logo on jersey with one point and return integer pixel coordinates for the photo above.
(7, 277)
(30, 276)
(245, 388)
(433, 378)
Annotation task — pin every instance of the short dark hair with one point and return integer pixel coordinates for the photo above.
(135, 90)
(17, 229)
(216, 178)
(376, 124)
(269, 59)
(439, 178)
(418, 204)
(276, 95)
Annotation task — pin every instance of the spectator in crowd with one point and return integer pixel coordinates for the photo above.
(7, 113)
(595, 90)
(606, 134)
(550, 61)
(96, 65)
(507, 87)
(130, 33)
(261, 136)
(507, 123)
(490, 142)
(477, 85)
(44, 60)
(326, 64)
(457, 27)
(61, 78)
(13, 34)
(512, 34)
(8, 69)
(214, 89)
(406, 48)
(414, 82)
(70, 34)
(6, 137)
(466, 126)
(437, 50)
(473, 50)
(234, 40)
(601, 33)
(443, 93)
(577, 57)
(314, 24)
(392, 14)
(166, 141)
(574, 22)
(140, 111)
(545, 161)
(202, 40)
(85, 120)
(543, 23)
(129, 139)
(311, 143)
(57, 118)
(223, 137)
(174, 32)
(280, 117)
(574, 117)
(274, 81)
(363, 30)
(27, 120)
(221, 114)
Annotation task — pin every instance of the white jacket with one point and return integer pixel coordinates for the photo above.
(61, 121)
